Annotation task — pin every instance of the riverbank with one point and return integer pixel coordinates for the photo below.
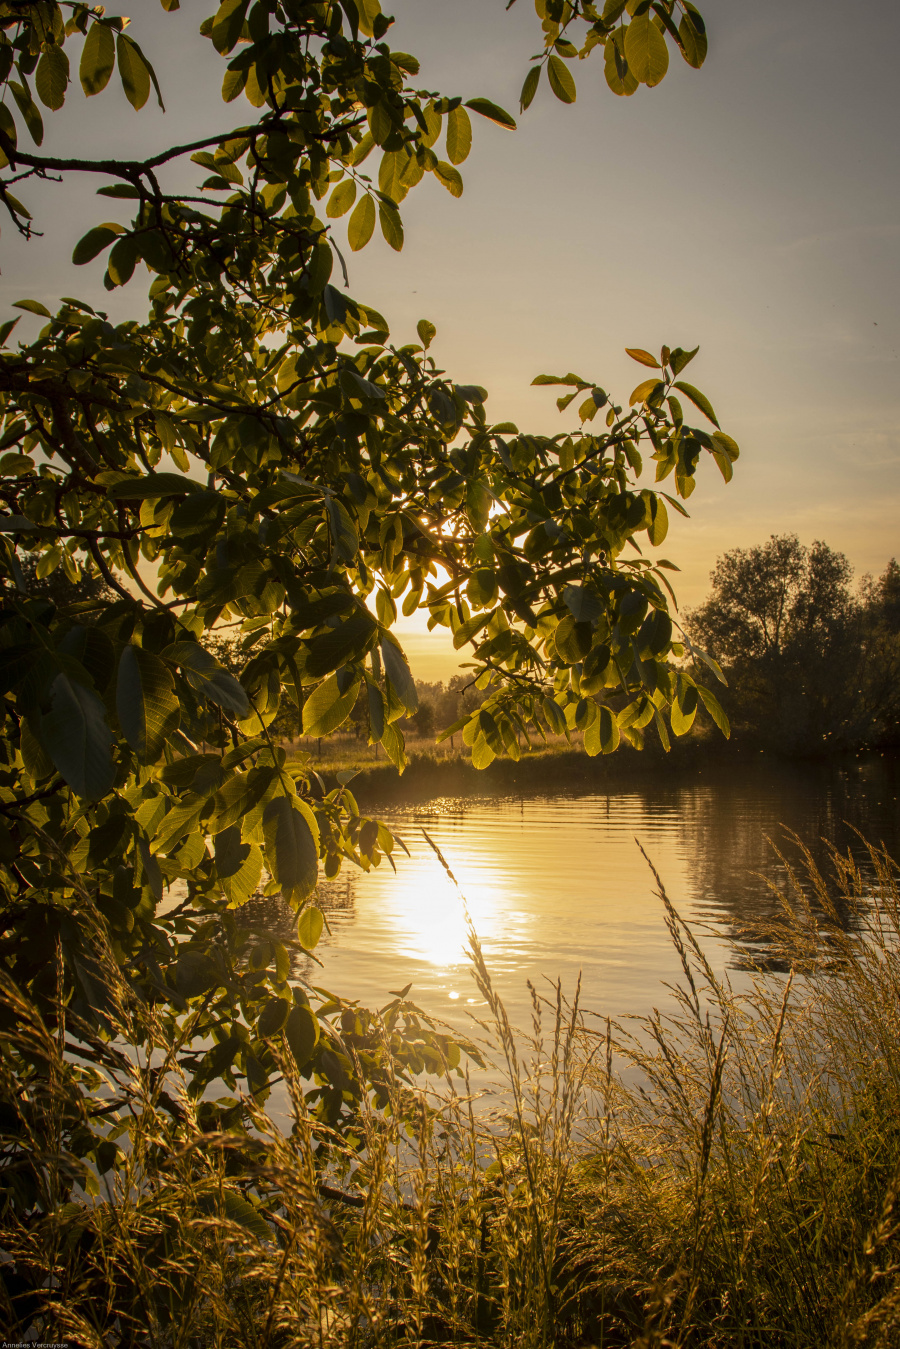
(433, 772)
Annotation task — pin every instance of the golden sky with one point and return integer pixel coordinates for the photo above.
(750, 207)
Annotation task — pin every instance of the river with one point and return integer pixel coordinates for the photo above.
(556, 886)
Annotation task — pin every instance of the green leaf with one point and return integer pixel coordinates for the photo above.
(459, 135)
(228, 24)
(208, 677)
(273, 1017)
(398, 672)
(239, 796)
(339, 646)
(692, 31)
(196, 973)
(238, 865)
(310, 927)
(134, 71)
(681, 718)
(51, 78)
(585, 605)
(327, 708)
(94, 242)
(181, 819)
(30, 112)
(369, 12)
(426, 331)
(659, 524)
(146, 705)
(490, 110)
(602, 736)
(77, 737)
(302, 1034)
(341, 199)
(561, 81)
(451, 180)
(646, 50)
(529, 88)
(97, 58)
(123, 259)
(391, 225)
(680, 358)
(715, 710)
(152, 486)
(240, 1211)
(361, 225)
(343, 531)
(292, 852)
(698, 399)
(376, 709)
(618, 75)
(646, 392)
(643, 357)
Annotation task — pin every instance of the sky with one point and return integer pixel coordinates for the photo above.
(750, 207)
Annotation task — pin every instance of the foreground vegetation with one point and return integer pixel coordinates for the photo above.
(724, 1172)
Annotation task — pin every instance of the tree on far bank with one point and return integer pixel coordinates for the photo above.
(810, 665)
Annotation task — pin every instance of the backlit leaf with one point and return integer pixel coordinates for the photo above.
(208, 677)
(94, 242)
(302, 1034)
(272, 1018)
(715, 710)
(699, 400)
(492, 112)
(396, 667)
(692, 31)
(362, 223)
(619, 77)
(239, 1210)
(309, 928)
(645, 392)
(451, 180)
(292, 853)
(51, 78)
(529, 88)
(75, 734)
(646, 50)
(97, 58)
(327, 708)
(644, 357)
(341, 199)
(228, 24)
(391, 225)
(146, 705)
(561, 81)
(133, 71)
(459, 135)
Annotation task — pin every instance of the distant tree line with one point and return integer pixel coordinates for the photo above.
(812, 664)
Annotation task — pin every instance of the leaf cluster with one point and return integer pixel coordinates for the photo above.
(257, 459)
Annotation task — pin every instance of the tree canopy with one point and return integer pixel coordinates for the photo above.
(254, 457)
(810, 664)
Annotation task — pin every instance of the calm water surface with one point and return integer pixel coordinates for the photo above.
(556, 885)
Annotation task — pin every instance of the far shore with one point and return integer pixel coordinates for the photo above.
(438, 770)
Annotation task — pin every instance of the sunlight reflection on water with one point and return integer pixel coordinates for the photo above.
(557, 885)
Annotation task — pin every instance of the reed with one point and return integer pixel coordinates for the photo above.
(723, 1173)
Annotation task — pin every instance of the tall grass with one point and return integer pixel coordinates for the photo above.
(724, 1173)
